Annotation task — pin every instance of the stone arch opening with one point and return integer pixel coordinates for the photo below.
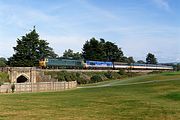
(22, 79)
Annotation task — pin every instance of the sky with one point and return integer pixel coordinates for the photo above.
(136, 26)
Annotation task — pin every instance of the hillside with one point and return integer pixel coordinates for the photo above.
(149, 97)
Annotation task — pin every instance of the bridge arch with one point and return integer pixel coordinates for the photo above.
(22, 78)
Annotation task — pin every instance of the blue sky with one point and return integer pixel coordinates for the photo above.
(137, 26)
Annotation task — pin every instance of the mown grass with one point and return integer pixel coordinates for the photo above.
(152, 101)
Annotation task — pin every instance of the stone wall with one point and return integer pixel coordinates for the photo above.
(38, 87)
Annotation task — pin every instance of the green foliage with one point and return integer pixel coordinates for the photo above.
(176, 67)
(29, 50)
(4, 77)
(128, 60)
(108, 75)
(87, 77)
(151, 59)
(102, 51)
(122, 72)
(70, 54)
(1, 83)
(3, 62)
(96, 78)
(83, 81)
(82, 78)
(63, 75)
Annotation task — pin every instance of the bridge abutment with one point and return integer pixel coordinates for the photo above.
(22, 74)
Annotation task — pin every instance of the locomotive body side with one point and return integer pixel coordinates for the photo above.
(62, 63)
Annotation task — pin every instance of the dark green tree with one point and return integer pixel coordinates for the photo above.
(93, 50)
(176, 67)
(101, 50)
(131, 60)
(141, 62)
(128, 60)
(30, 49)
(70, 54)
(151, 59)
(112, 52)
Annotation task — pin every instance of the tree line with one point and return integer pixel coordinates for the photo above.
(30, 49)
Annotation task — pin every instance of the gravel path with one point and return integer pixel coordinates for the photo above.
(120, 83)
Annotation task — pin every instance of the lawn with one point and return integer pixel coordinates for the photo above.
(158, 100)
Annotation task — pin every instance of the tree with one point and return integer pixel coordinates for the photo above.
(70, 54)
(150, 59)
(112, 52)
(176, 67)
(131, 60)
(3, 62)
(93, 50)
(29, 50)
(101, 50)
(128, 60)
(141, 62)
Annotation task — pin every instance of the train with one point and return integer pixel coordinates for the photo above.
(49, 63)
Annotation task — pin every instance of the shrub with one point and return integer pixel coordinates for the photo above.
(122, 72)
(96, 78)
(82, 81)
(108, 75)
(68, 78)
(1, 83)
(78, 74)
(4, 77)
(82, 78)
(60, 78)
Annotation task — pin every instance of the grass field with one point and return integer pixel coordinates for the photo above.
(121, 100)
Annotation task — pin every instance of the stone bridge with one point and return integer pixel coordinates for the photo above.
(22, 74)
(27, 74)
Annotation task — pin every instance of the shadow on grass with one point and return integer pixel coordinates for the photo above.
(173, 96)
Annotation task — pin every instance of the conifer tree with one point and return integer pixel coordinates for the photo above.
(29, 50)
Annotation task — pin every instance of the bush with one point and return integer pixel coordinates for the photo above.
(82, 78)
(122, 72)
(82, 81)
(1, 83)
(78, 75)
(96, 78)
(108, 75)
(4, 77)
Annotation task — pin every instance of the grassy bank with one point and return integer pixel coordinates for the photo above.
(89, 77)
(150, 101)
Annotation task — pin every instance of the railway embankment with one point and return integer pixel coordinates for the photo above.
(87, 77)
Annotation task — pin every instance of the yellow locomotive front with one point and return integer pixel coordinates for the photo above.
(42, 63)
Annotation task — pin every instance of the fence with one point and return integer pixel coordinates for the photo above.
(38, 87)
